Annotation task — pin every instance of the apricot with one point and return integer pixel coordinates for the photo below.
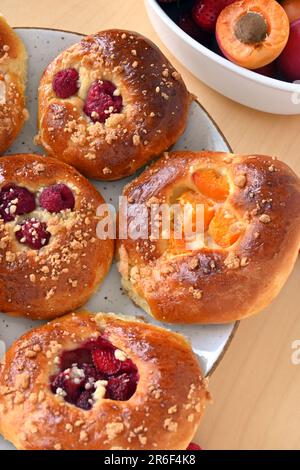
(177, 246)
(292, 9)
(212, 184)
(224, 228)
(252, 33)
(193, 198)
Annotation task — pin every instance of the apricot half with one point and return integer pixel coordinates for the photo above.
(224, 228)
(192, 198)
(252, 33)
(212, 184)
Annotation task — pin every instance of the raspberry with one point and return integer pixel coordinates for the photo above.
(79, 356)
(98, 343)
(101, 102)
(206, 12)
(33, 233)
(105, 361)
(81, 368)
(15, 200)
(121, 387)
(71, 388)
(193, 446)
(65, 83)
(85, 401)
(128, 366)
(57, 198)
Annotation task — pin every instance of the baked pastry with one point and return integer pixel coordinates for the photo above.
(92, 382)
(51, 259)
(13, 67)
(111, 103)
(242, 258)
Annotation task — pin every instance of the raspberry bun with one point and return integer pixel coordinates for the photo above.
(100, 382)
(237, 264)
(111, 103)
(13, 66)
(50, 257)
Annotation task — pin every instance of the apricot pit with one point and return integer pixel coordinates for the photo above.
(251, 28)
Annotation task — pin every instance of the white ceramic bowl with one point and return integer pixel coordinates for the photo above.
(239, 84)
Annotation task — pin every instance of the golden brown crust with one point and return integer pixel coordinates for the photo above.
(163, 413)
(13, 65)
(154, 115)
(215, 284)
(63, 275)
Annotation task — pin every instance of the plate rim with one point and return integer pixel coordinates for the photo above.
(196, 99)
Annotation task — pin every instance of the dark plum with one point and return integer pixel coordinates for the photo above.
(289, 60)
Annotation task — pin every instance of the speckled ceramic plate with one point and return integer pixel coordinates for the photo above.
(209, 342)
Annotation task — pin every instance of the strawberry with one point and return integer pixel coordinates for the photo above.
(206, 12)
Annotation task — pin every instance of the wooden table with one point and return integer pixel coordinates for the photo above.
(256, 387)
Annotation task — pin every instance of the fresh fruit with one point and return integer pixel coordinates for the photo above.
(57, 197)
(224, 228)
(292, 9)
(85, 400)
(65, 83)
(78, 356)
(206, 12)
(289, 60)
(81, 369)
(33, 233)
(269, 70)
(191, 199)
(15, 200)
(252, 33)
(193, 446)
(188, 25)
(121, 387)
(106, 362)
(102, 100)
(212, 184)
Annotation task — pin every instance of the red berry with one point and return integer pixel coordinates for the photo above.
(78, 356)
(105, 361)
(193, 446)
(188, 25)
(65, 83)
(95, 360)
(98, 343)
(57, 198)
(101, 101)
(15, 200)
(121, 387)
(72, 390)
(206, 12)
(85, 400)
(128, 366)
(33, 233)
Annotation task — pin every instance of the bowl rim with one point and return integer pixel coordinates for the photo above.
(246, 73)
